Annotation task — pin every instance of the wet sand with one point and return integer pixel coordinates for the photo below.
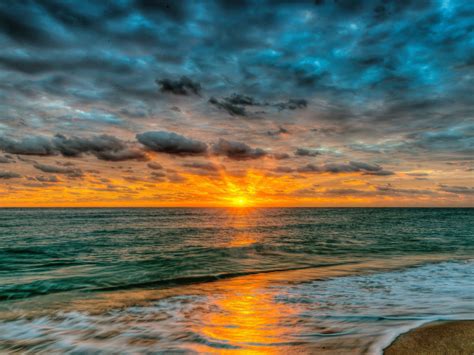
(456, 337)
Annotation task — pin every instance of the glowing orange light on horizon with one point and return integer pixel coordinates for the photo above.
(239, 192)
(240, 201)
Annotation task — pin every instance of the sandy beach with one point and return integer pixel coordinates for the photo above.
(456, 337)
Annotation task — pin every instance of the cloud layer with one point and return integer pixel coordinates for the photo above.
(169, 102)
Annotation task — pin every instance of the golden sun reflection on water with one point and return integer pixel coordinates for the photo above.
(246, 317)
(245, 313)
(240, 219)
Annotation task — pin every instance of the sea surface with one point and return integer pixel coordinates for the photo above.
(242, 280)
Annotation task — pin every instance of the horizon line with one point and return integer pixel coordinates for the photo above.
(218, 207)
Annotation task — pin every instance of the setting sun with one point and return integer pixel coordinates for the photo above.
(240, 201)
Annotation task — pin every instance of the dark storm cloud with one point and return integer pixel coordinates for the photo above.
(175, 10)
(9, 175)
(237, 150)
(104, 147)
(345, 53)
(23, 29)
(78, 62)
(171, 143)
(182, 86)
(35, 145)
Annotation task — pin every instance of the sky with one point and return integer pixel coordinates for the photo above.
(236, 103)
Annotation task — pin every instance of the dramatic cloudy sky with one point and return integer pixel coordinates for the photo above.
(280, 103)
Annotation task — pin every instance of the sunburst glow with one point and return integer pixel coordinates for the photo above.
(240, 201)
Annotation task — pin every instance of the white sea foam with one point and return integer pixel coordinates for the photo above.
(352, 314)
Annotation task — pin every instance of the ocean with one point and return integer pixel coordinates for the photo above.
(237, 280)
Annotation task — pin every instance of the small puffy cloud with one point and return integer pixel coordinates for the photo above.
(387, 190)
(6, 160)
(237, 150)
(171, 143)
(284, 169)
(281, 156)
(292, 104)
(121, 155)
(310, 168)
(417, 174)
(51, 169)
(345, 192)
(380, 173)
(182, 86)
(157, 175)
(235, 105)
(352, 167)
(370, 169)
(280, 131)
(64, 163)
(52, 178)
(365, 166)
(230, 108)
(459, 190)
(208, 166)
(154, 165)
(393, 191)
(244, 100)
(340, 168)
(304, 152)
(176, 178)
(9, 175)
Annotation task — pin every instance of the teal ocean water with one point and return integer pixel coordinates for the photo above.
(229, 280)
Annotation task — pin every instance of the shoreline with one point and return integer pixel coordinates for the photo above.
(439, 337)
(98, 301)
